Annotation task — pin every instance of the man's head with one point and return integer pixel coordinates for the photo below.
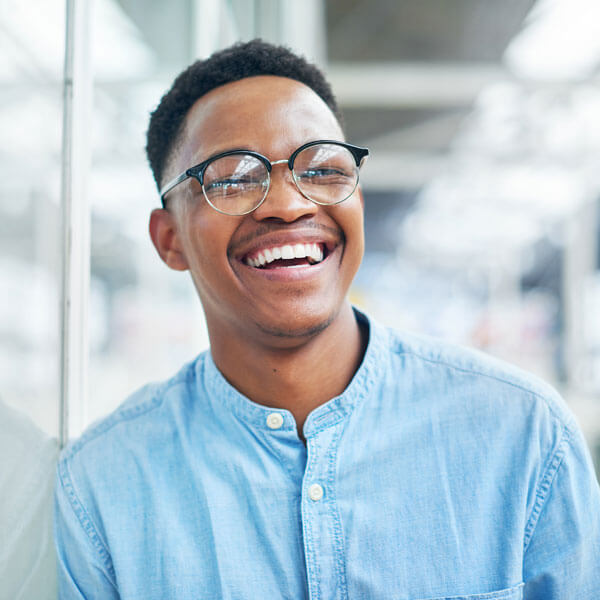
(237, 62)
(272, 114)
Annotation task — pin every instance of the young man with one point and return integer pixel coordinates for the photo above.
(311, 453)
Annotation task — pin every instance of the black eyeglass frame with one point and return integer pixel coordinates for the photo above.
(197, 172)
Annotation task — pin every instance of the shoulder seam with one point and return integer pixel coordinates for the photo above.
(543, 489)
(86, 522)
(561, 418)
(126, 414)
(109, 423)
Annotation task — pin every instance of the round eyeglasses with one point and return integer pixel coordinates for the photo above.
(236, 182)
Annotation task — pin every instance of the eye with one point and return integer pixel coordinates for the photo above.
(230, 186)
(321, 172)
(235, 175)
(323, 175)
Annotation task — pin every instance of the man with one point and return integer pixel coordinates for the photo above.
(311, 453)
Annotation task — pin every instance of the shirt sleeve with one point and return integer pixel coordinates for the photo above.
(84, 567)
(562, 554)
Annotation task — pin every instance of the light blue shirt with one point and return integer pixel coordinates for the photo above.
(438, 473)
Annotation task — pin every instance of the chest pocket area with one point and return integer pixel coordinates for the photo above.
(513, 593)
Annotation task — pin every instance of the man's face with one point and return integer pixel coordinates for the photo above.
(285, 304)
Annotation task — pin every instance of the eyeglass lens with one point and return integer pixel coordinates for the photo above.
(237, 184)
(326, 173)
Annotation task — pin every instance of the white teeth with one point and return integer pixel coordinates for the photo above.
(314, 253)
(299, 251)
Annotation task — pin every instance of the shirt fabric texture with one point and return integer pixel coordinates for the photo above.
(439, 473)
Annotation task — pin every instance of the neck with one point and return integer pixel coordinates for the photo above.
(298, 379)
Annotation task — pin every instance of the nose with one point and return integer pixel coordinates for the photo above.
(284, 202)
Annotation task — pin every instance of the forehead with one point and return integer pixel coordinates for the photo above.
(271, 115)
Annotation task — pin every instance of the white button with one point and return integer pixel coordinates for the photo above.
(315, 492)
(274, 421)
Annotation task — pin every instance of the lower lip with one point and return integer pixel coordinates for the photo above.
(292, 273)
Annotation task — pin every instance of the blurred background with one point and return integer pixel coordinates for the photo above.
(483, 120)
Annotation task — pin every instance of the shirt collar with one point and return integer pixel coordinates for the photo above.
(223, 396)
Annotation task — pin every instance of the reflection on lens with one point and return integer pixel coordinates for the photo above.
(326, 173)
(235, 184)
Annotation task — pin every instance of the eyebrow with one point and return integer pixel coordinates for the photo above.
(220, 151)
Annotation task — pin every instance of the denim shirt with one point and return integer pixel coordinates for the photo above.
(438, 473)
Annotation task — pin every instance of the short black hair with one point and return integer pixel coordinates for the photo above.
(237, 62)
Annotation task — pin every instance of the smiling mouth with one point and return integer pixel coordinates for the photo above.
(288, 255)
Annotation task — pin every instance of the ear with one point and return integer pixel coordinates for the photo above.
(166, 239)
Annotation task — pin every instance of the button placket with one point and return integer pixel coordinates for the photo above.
(323, 546)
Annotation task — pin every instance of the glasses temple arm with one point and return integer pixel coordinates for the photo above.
(169, 186)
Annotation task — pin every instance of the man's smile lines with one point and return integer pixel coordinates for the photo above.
(287, 255)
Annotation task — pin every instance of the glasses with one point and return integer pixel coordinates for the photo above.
(236, 182)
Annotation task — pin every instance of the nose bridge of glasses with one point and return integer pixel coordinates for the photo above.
(283, 161)
(275, 201)
(280, 162)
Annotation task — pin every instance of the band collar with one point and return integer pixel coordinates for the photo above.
(223, 396)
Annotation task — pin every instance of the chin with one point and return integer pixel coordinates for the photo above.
(302, 326)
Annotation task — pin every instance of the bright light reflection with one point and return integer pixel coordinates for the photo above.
(560, 42)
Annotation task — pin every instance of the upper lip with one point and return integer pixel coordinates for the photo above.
(316, 235)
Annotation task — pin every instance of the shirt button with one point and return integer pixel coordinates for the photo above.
(315, 492)
(274, 421)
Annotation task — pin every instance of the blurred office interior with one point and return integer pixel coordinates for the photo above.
(481, 192)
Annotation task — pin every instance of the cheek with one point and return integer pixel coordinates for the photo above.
(350, 218)
(210, 269)
(208, 235)
(204, 247)
(356, 232)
